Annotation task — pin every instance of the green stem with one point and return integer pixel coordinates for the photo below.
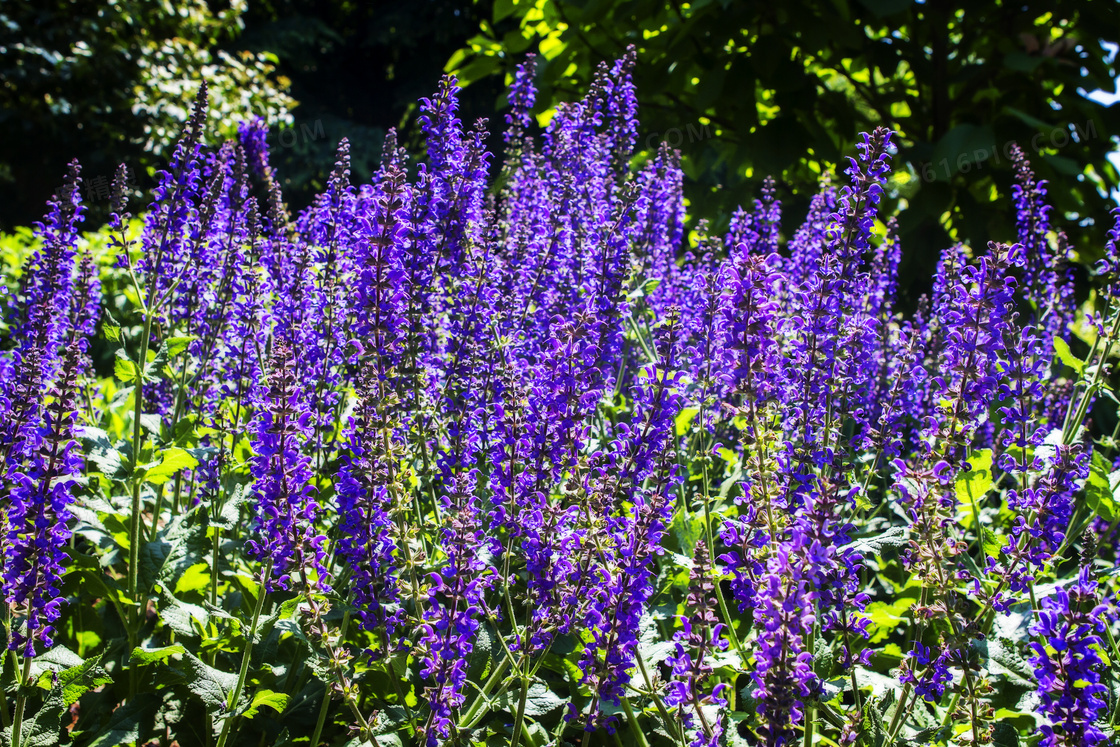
(235, 696)
(519, 719)
(633, 719)
(811, 711)
(137, 524)
(214, 567)
(723, 609)
(325, 705)
(670, 723)
(479, 701)
(896, 718)
(21, 701)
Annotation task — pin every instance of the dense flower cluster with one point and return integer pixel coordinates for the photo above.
(473, 431)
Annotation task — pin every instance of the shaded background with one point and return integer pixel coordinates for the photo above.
(742, 89)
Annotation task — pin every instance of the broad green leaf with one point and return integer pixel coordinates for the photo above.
(176, 345)
(972, 486)
(1061, 349)
(61, 668)
(874, 545)
(124, 369)
(171, 461)
(1005, 658)
(886, 617)
(276, 701)
(684, 419)
(129, 724)
(195, 578)
(212, 685)
(539, 700)
(1099, 494)
(182, 617)
(145, 656)
(45, 727)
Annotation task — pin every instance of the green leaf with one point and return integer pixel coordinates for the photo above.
(276, 701)
(973, 485)
(873, 546)
(212, 685)
(1005, 735)
(230, 510)
(112, 331)
(146, 656)
(178, 546)
(105, 456)
(684, 419)
(885, 618)
(195, 578)
(129, 724)
(1005, 659)
(45, 728)
(74, 678)
(124, 369)
(172, 460)
(176, 345)
(156, 364)
(183, 617)
(1099, 493)
(539, 700)
(1066, 356)
(872, 723)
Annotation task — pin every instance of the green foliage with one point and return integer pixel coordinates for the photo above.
(112, 80)
(746, 90)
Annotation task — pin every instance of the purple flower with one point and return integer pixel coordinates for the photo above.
(40, 483)
(1068, 664)
(284, 531)
(364, 505)
(783, 674)
(698, 639)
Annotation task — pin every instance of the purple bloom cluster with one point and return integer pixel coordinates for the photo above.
(284, 534)
(40, 489)
(1068, 664)
(494, 419)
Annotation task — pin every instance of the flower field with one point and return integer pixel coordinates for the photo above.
(452, 460)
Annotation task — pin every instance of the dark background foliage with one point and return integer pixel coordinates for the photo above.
(750, 89)
(743, 89)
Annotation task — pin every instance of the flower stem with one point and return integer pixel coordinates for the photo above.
(235, 696)
(633, 719)
(519, 719)
(21, 702)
